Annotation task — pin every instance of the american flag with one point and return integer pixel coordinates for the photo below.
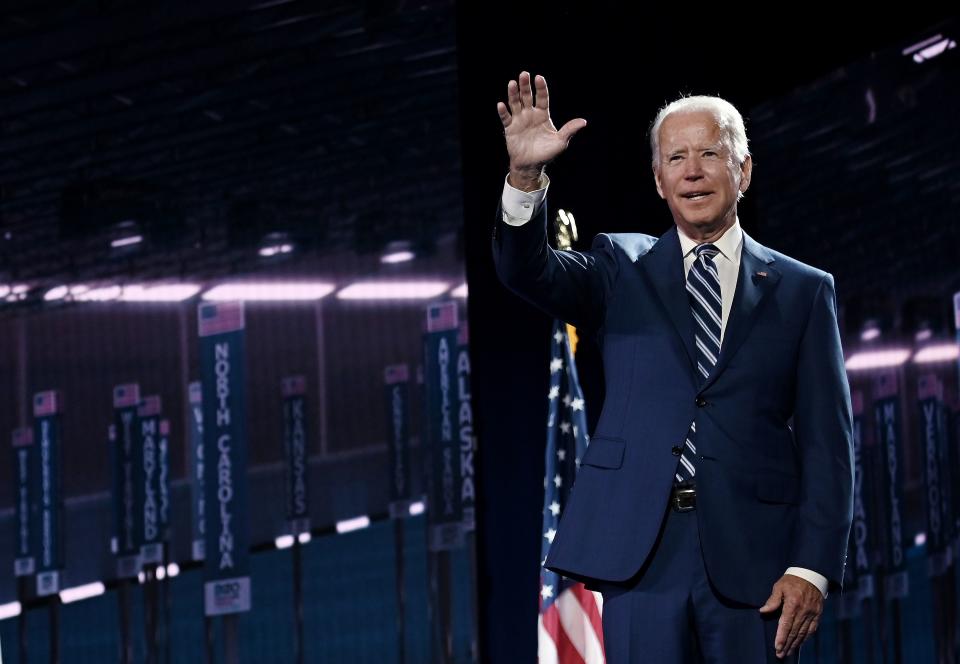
(442, 316)
(569, 627)
(46, 403)
(195, 392)
(220, 317)
(150, 405)
(293, 386)
(396, 373)
(126, 395)
(22, 437)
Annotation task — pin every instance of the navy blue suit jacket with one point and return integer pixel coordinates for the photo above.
(769, 495)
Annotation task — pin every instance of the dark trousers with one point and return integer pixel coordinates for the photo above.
(669, 613)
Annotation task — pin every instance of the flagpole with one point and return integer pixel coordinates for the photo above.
(873, 612)
(474, 608)
(22, 596)
(399, 587)
(296, 454)
(167, 606)
(227, 579)
(54, 604)
(444, 588)
(209, 641)
(231, 638)
(297, 600)
(445, 520)
(396, 378)
(126, 638)
(566, 442)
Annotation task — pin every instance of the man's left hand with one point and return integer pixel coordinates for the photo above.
(802, 605)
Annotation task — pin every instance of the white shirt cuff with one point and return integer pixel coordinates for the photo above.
(818, 580)
(520, 206)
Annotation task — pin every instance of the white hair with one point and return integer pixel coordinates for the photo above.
(732, 131)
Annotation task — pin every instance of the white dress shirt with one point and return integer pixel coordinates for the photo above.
(520, 206)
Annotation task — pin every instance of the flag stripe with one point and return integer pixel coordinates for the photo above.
(578, 627)
(566, 652)
(546, 648)
(592, 603)
(573, 621)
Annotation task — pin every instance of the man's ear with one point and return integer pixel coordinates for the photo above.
(656, 180)
(746, 172)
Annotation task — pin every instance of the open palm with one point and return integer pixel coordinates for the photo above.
(532, 139)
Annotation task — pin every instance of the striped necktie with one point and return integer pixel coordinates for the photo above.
(703, 289)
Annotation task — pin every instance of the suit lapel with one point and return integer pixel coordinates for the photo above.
(662, 266)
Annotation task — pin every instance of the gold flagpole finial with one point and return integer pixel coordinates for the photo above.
(565, 233)
(565, 229)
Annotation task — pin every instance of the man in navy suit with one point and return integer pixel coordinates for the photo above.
(713, 504)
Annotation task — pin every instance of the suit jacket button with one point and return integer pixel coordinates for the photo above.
(675, 450)
(701, 402)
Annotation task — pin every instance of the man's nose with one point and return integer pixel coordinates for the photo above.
(693, 169)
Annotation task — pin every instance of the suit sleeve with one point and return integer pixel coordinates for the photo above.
(823, 426)
(573, 286)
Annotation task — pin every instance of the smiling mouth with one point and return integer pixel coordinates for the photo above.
(697, 196)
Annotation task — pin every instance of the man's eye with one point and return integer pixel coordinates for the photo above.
(709, 153)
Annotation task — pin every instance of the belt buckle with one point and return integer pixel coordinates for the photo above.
(684, 499)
